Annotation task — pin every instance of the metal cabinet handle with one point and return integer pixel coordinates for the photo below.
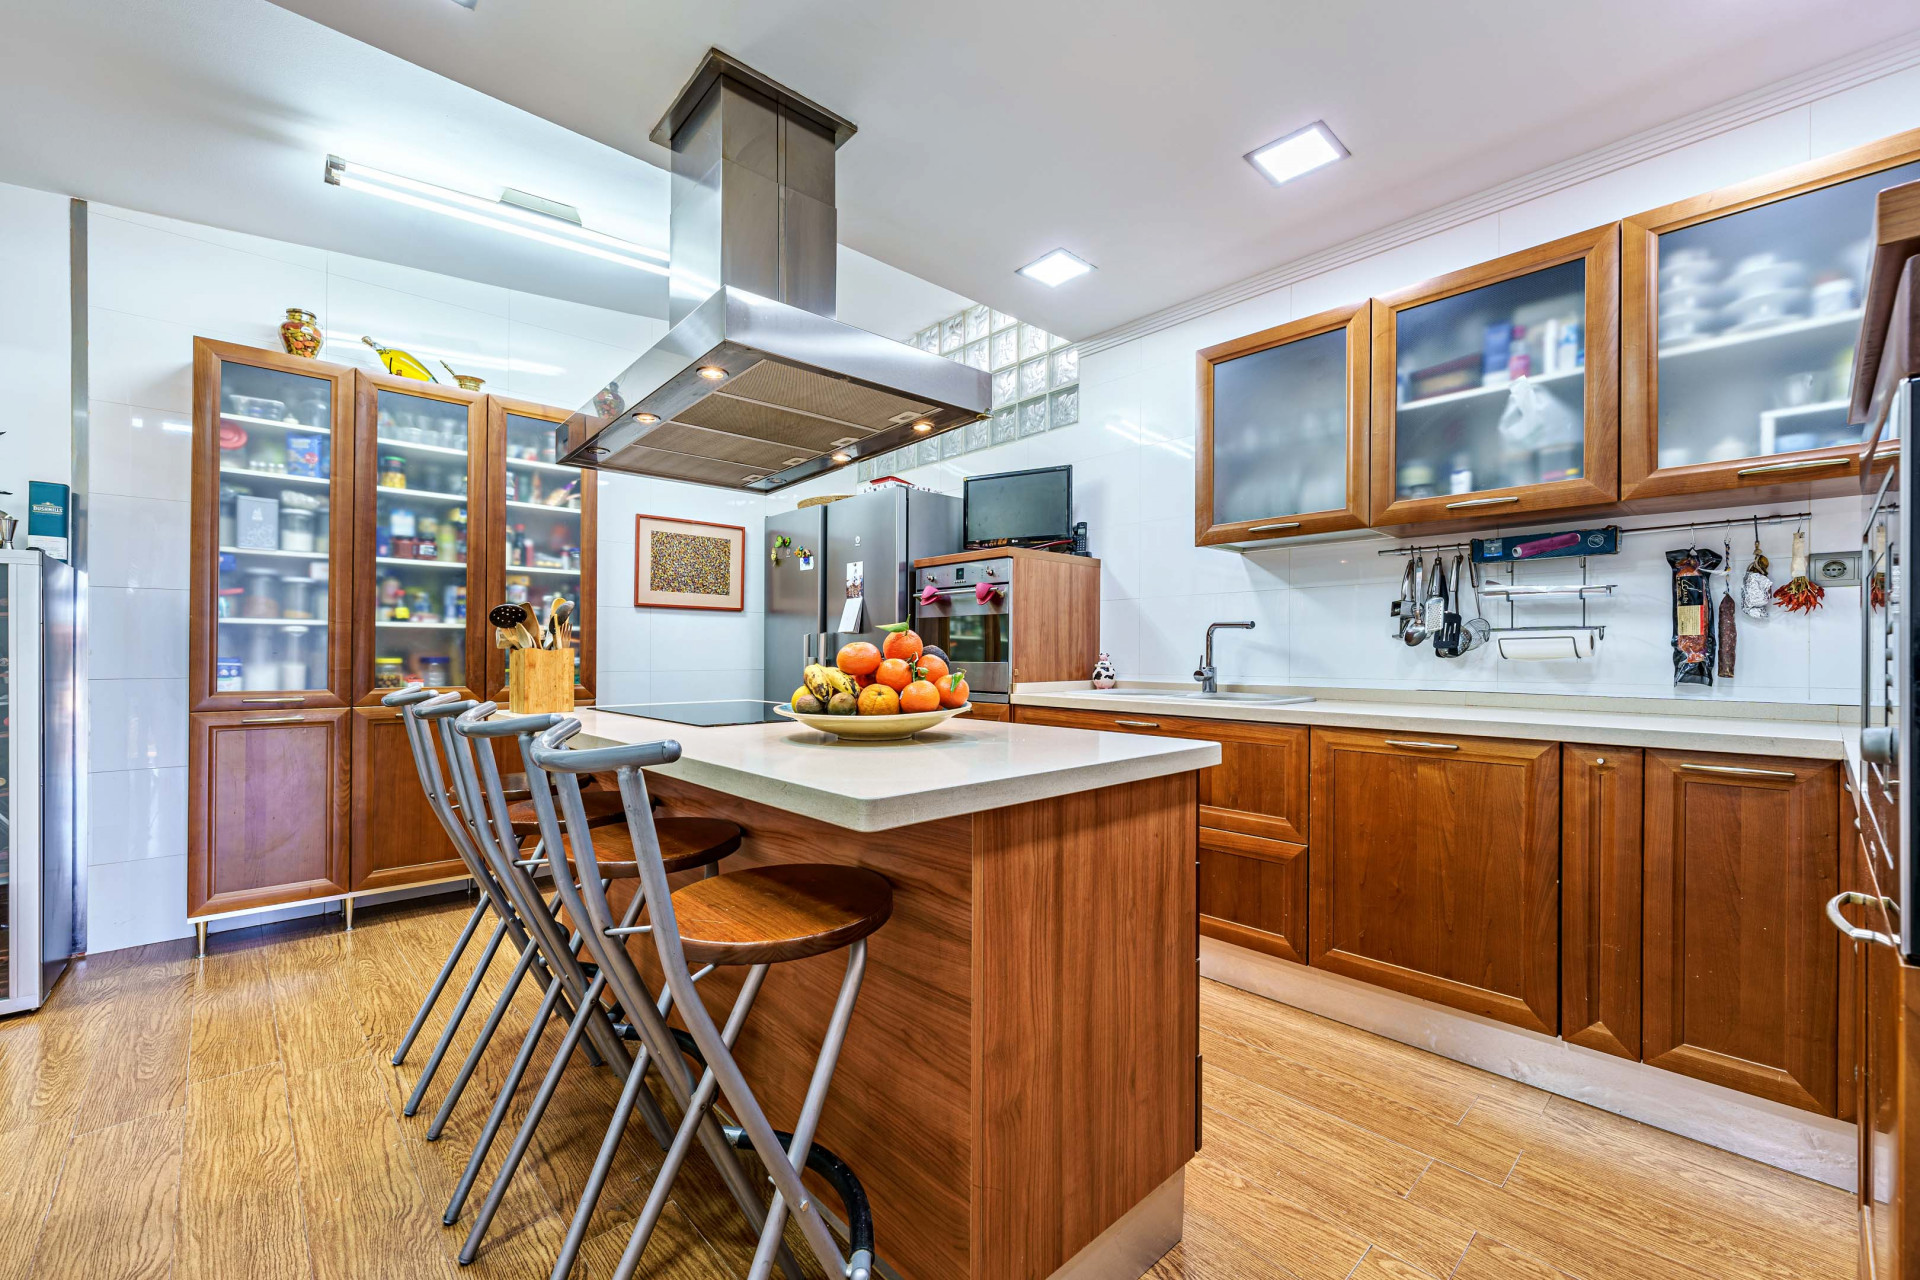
(1138, 724)
(1423, 746)
(1274, 528)
(295, 698)
(1738, 772)
(1853, 931)
(1482, 502)
(1809, 464)
(271, 719)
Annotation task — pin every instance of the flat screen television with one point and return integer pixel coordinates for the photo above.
(1019, 508)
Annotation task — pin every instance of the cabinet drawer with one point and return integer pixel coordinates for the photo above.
(1436, 869)
(1253, 893)
(1259, 788)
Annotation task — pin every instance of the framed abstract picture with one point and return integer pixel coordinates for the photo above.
(689, 564)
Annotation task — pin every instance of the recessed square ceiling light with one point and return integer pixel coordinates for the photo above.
(1055, 269)
(1301, 151)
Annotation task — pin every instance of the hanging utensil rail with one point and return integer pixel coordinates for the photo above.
(1781, 517)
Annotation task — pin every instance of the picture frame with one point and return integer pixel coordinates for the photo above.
(689, 564)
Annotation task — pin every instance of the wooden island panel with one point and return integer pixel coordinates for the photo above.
(1021, 1069)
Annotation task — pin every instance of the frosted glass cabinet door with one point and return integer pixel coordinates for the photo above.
(272, 531)
(1281, 444)
(1742, 311)
(418, 478)
(543, 535)
(1494, 388)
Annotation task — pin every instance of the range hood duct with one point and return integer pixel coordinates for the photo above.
(755, 385)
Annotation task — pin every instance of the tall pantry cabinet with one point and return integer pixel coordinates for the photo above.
(349, 532)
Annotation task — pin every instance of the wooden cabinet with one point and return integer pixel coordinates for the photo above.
(1435, 869)
(999, 712)
(1600, 897)
(1741, 856)
(1282, 432)
(267, 822)
(1494, 388)
(1253, 823)
(349, 532)
(1740, 312)
(541, 526)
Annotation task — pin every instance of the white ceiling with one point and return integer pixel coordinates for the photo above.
(994, 131)
(223, 112)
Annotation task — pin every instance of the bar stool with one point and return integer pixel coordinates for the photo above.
(756, 918)
(693, 844)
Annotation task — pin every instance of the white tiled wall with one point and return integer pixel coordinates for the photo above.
(154, 285)
(1322, 609)
(35, 361)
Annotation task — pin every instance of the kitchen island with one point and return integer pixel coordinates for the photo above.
(1019, 1087)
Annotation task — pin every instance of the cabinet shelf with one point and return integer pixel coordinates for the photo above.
(401, 561)
(272, 622)
(301, 427)
(408, 446)
(542, 506)
(428, 495)
(531, 465)
(528, 568)
(274, 554)
(420, 626)
(276, 476)
(1846, 322)
(1476, 393)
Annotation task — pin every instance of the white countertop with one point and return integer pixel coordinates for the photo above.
(1809, 732)
(964, 766)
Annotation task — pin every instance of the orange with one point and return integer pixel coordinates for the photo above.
(920, 696)
(932, 667)
(904, 645)
(878, 700)
(858, 658)
(953, 690)
(894, 674)
(861, 682)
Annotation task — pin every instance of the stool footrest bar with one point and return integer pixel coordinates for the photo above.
(839, 1175)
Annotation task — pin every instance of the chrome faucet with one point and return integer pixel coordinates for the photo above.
(1206, 672)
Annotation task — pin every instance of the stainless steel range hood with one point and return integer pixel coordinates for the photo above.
(756, 386)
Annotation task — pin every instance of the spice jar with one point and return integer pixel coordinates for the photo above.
(389, 673)
(393, 471)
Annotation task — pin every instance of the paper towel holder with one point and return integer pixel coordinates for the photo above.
(1548, 644)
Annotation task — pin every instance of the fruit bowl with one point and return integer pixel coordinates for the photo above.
(874, 728)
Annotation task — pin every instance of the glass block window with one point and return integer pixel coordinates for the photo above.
(1036, 383)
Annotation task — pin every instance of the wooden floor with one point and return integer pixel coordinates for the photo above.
(237, 1118)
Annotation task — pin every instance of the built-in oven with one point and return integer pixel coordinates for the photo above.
(966, 610)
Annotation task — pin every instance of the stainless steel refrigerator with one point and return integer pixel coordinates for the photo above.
(38, 770)
(841, 571)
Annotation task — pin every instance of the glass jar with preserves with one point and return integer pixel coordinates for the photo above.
(435, 671)
(389, 673)
(393, 471)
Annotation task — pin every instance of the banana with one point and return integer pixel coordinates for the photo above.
(819, 681)
(841, 681)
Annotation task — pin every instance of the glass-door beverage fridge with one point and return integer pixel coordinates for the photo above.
(37, 774)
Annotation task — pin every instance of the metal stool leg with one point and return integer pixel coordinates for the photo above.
(440, 983)
(453, 1019)
(485, 1038)
(503, 1100)
(544, 1095)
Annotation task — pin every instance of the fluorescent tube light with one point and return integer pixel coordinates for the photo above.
(1301, 151)
(498, 215)
(1055, 269)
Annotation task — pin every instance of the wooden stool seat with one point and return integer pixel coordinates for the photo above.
(686, 844)
(766, 915)
(603, 809)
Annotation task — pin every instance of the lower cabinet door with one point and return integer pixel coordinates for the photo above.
(1742, 854)
(998, 711)
(1600, 903)
(1436, 869)
(269, 809)
(397, 840)
(1253, 893)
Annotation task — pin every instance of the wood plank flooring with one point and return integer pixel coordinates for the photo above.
(166, 1117)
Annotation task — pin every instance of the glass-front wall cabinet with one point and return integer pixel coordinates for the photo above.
(1742, 319)
(421, 573)
(545, 528)
(279, 452)
(1283, 431)
(1493, 387)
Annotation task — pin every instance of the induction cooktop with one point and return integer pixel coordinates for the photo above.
(709, 714)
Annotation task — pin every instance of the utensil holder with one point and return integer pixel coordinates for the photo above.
(540, 681)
